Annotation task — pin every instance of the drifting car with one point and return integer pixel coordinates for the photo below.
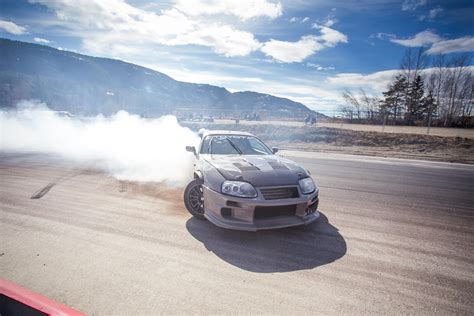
(239, 183)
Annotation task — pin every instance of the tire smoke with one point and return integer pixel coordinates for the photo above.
(126, 146)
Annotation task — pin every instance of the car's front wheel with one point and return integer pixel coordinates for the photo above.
(194, 198)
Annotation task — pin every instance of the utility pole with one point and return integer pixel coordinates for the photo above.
(384, 121)
(429, 119)
(429, 124)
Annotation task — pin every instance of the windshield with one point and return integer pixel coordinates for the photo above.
(233, 145)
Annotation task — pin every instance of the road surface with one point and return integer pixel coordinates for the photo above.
(395, 237)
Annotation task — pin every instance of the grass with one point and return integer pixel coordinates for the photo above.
(330, 139)
(419, 130)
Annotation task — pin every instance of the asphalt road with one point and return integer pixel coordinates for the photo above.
(395, 237)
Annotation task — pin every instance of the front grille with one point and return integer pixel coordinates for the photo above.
(279, 193)
(262, 212)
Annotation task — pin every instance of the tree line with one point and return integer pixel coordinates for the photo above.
(436, 92)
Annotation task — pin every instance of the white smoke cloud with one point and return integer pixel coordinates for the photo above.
(127, 146)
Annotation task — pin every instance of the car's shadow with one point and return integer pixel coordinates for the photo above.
(280, 250)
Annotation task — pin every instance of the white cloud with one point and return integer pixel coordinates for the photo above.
(376, 82)
(383, 36)
(41, 40)
(223, 39)
(116, 26)
(319, 67)
(331, 37)
(12, 28)
(330, 22)
(290, 52)
(435, 12)
(437, 43)
(244, 10)
(301, 20)
(412, 5)
(421, 39)
(432, 14)
(320, 97)
(463, 44)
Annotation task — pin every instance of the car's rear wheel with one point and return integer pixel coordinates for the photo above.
(194, 198)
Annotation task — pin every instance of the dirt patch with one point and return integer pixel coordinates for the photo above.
(161, 193)
(152, 189)
(400, 145)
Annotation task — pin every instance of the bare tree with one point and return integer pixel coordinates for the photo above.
(361, 106)
(413, 62)
(442, 94)
(370, 104)
(467, 99)
(457, 88)
(437, 78)
(347, 111)
(353, 103)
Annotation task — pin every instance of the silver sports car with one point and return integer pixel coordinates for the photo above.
(240, 184)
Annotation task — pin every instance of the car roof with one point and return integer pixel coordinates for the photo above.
(224, 132)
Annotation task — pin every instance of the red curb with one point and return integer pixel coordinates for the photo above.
(35, 300)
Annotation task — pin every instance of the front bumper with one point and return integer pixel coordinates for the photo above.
(257, 213)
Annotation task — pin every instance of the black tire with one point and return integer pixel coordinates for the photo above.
(194, 199)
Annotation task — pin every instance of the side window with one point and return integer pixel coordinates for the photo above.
(205, 145)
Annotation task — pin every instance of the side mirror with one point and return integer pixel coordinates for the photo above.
(191, 149)
(275, 149)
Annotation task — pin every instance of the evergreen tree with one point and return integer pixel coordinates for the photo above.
(414, 109)
(394, 98)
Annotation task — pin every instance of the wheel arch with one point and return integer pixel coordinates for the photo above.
(198, 175)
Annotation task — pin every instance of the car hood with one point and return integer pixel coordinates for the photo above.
(259, 170)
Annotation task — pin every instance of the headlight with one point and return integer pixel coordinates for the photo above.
(238, 188)
(307, 185)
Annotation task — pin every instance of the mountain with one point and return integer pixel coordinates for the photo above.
(88, 85)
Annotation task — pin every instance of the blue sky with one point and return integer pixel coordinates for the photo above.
(308, 51)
